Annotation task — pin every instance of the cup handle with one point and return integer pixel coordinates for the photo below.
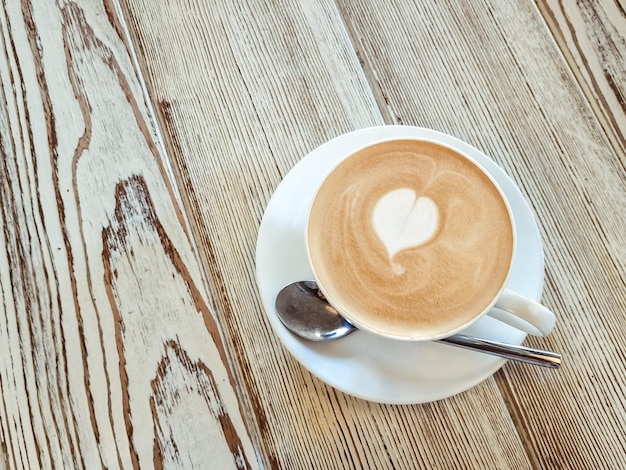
(522, 313)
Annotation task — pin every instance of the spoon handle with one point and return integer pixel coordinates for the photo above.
(508, 351)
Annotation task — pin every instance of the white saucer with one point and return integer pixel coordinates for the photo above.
(362, 364)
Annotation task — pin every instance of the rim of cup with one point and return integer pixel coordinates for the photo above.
(348, 315)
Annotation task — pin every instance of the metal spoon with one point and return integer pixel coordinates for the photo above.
(304, 310)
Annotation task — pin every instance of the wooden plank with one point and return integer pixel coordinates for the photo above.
(111, 355)
(490, 73)
(243, 91)
(592, 36)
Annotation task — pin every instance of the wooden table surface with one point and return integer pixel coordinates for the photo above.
(141, 141)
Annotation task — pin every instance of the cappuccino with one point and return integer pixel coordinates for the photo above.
(410, 239)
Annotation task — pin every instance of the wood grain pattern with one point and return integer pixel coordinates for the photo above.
(116, 331)
(111, 355)
(592, 36)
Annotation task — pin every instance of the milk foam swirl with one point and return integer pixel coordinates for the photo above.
(409, 236)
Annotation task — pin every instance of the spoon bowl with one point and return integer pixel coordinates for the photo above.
(303, 310)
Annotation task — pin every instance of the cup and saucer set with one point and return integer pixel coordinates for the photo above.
(365, 364)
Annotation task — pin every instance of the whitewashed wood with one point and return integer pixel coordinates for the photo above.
(110, 352)
(592, 36)
(242, 91)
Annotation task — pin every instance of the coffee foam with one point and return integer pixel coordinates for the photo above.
(427, 267)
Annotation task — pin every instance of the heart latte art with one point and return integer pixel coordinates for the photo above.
(409, 238)
(401, 220)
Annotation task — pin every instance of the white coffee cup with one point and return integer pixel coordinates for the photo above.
(413, 239)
